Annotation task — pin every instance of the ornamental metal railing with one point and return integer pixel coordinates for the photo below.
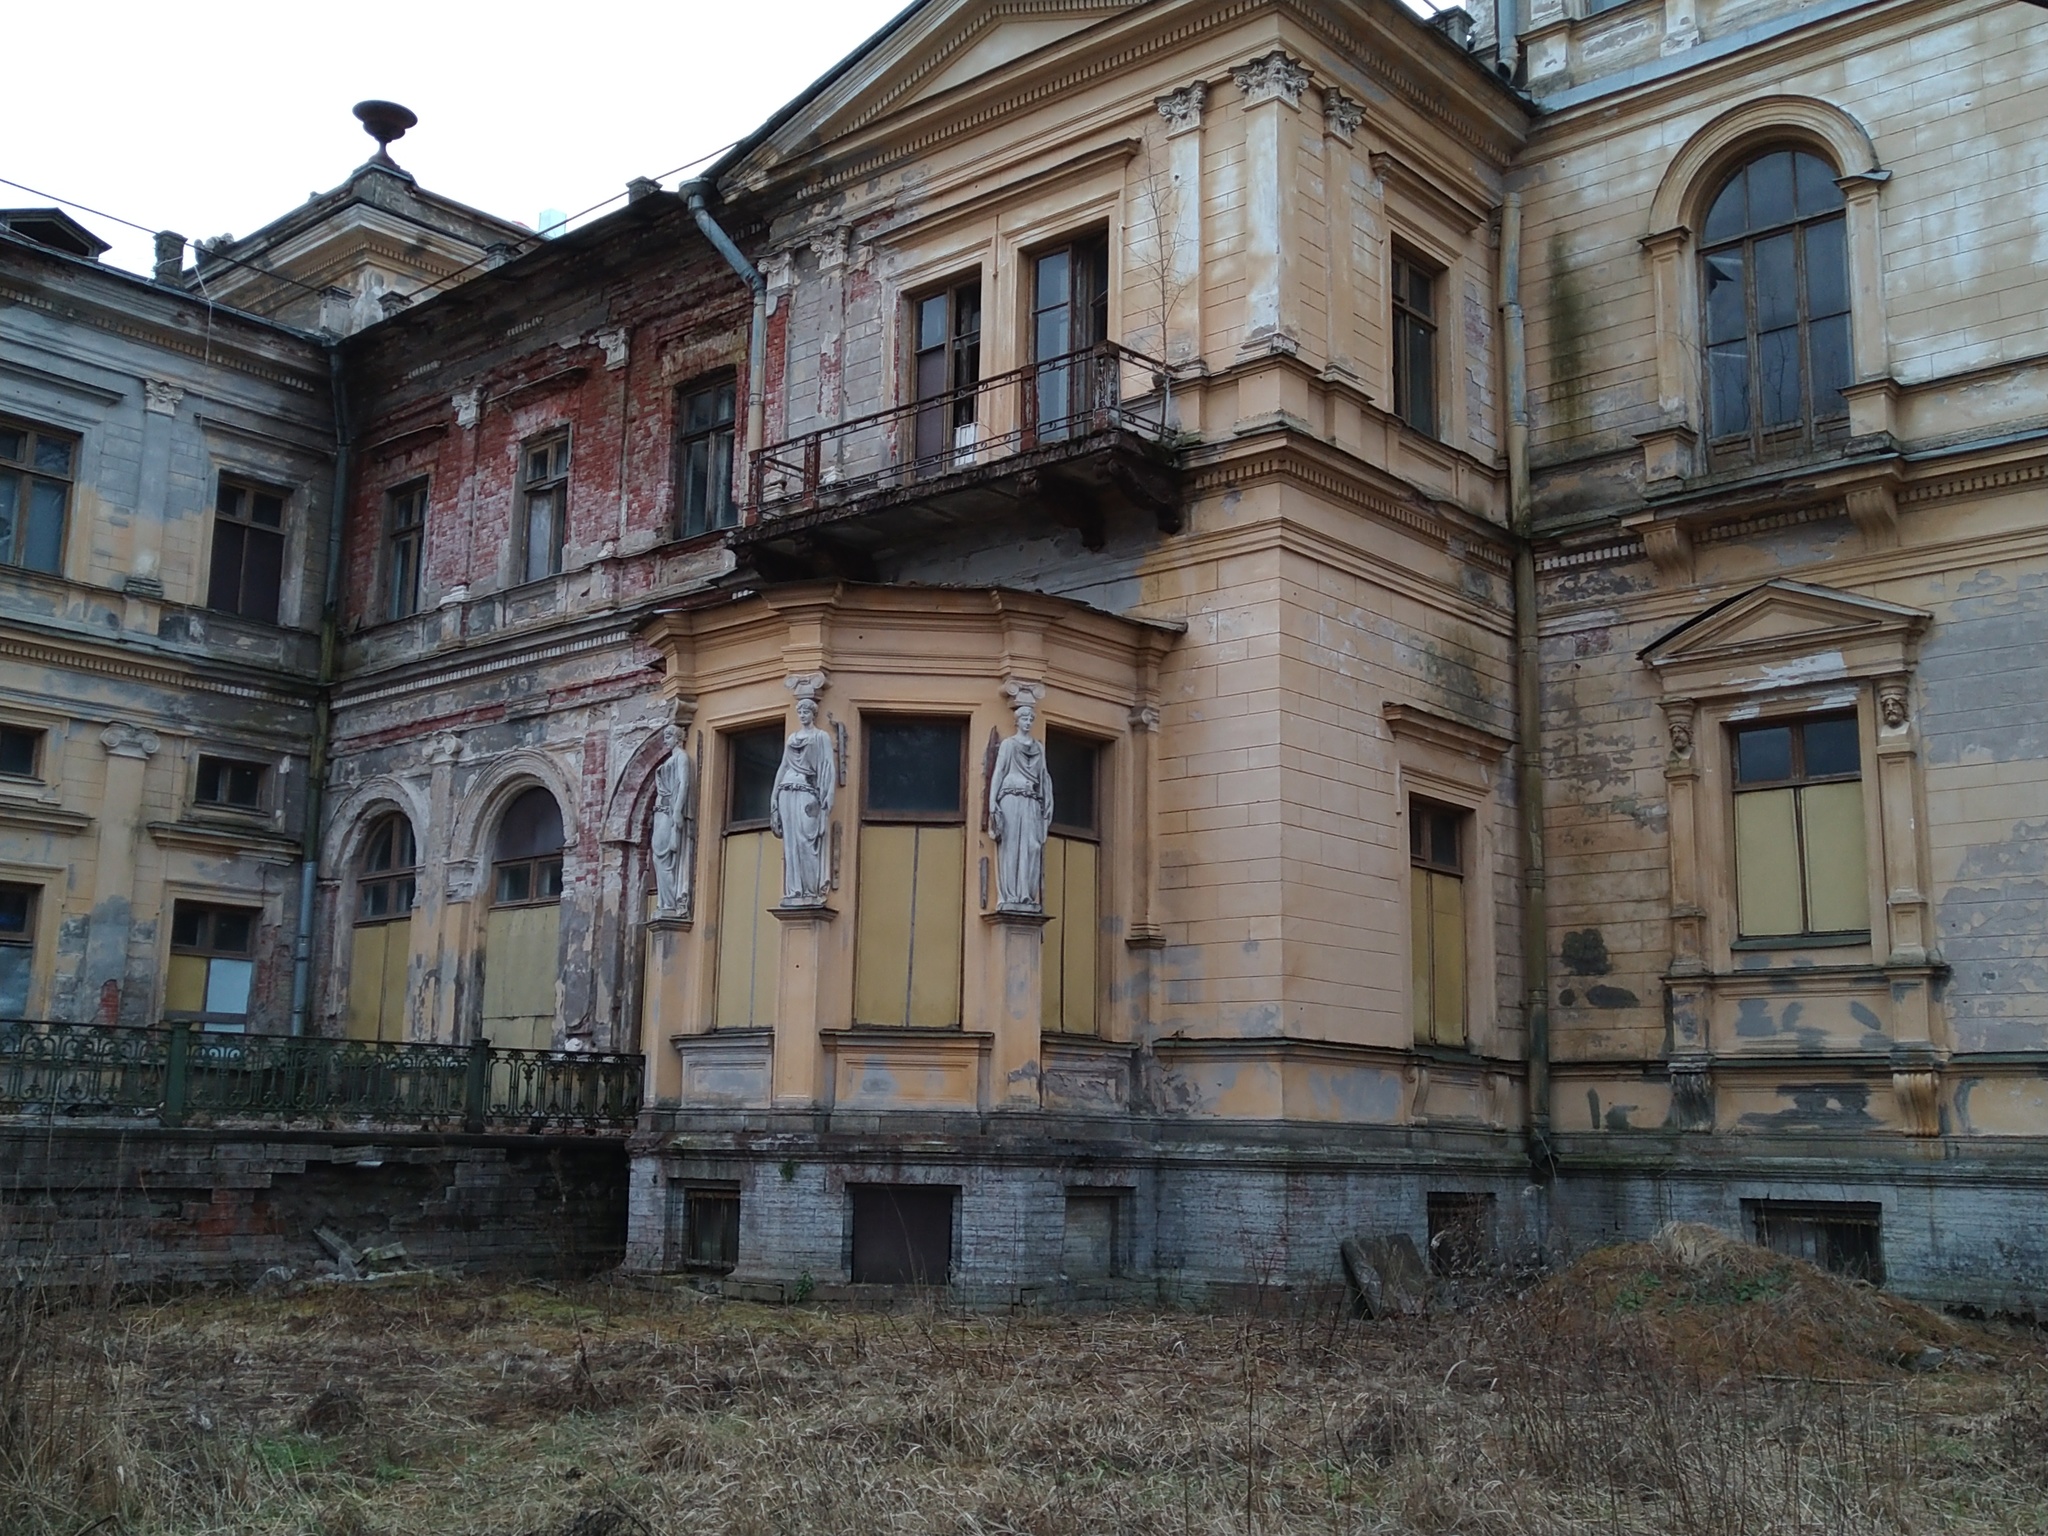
(179, 1075)
(1066, 400)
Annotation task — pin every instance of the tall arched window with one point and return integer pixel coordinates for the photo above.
(1774, 277)
(380, 951)
(523, 936)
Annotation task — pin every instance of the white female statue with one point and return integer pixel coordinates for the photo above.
(800, 811)
(1020, 816)
(674, 838)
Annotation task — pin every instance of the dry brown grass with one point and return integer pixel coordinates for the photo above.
(1722, 1392)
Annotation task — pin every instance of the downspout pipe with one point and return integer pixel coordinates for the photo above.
(757, 331)
(323, 714)
(1528, 696)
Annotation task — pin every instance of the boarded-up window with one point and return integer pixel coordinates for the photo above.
(381, 942)
(913, 874)
(213, 965)
(1436, 922)
(1799, 863)
(1073, 886)
(523, 936)
(1093, 1233)
(749, 954)
(17, 948)
(1460, 1232)
(902, 1233)
(1845, 1236)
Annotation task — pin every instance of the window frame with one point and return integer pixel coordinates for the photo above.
(957, 354)
(1797, 723)
(694, 522)
(26, 475)
(1422, 864)
(223, 765)
(38, 739)
(556, 440)
(733, 822)
(872, 817)
(250, 530)
(1811, 432)
(32, 895)
(401, 600)
(395, 877)
(1404, 322)
(536, 865)
(691, 1195)
(209, 949)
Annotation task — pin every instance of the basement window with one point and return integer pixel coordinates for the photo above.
(1844, 1237)
(1460, 1232)
(711, 1227)
(1094, 1233)
(903, 1233)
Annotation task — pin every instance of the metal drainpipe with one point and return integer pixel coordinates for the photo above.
(1507, 43)
(757, 331)
(316, 762)
(1528, 694)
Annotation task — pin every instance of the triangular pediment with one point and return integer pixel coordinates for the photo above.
(925, 54)
(1787, 632)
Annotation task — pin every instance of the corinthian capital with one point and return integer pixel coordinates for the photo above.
(1275, 77)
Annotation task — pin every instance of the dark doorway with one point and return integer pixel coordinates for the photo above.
(903, 1233)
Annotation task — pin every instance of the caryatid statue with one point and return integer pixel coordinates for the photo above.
(1020, 816)
(674, 837)
(800, 811)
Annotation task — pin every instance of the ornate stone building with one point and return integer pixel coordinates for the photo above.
(1519, 536)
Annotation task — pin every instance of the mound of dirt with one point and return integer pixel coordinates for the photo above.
(1711, 1302)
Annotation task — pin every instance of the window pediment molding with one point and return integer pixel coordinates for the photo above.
(1785, 634)
(1691, 177)
(1411, 722)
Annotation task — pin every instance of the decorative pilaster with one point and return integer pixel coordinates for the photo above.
(129, 749)
(797, 1074)
(1898, 751)
(1014, 1006)
(1175, 192)
(1342, 118)
(1143, 931)
(1272, 87)
(1868, 333)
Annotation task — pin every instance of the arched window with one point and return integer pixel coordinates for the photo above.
(527, 858)
(380, 950)
(1774, 279)
(386, 871)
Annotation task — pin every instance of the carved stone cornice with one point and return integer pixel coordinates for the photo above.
(1414, 723)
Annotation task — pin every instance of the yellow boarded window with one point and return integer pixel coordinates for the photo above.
(212, 974)
(381, 943)
(1436, 922)
(1799, 851)
(912, 890)
(1073, 886)
(749, 938)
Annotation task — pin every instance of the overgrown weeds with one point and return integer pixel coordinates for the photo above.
(1714, 1393)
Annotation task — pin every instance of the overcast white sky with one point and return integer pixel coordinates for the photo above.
(215, 120)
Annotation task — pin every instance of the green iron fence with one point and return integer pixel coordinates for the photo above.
(178, 1074)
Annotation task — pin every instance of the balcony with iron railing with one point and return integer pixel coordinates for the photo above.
(1077, 437)
(181, 1075)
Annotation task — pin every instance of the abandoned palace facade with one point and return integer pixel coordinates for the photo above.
(1139, 637)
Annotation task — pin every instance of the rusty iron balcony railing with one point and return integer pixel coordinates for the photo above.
(178, 1075)
(1061, 407)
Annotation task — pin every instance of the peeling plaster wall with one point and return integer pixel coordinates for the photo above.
(116, 660)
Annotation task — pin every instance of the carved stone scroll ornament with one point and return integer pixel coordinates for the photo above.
(1020, 816)
(673, 839)
(800, 811)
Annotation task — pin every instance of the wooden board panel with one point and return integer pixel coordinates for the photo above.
(522, 958)
(1767, 863)
(749, 940)
(881, 945)
(1837, 880)
(935, 938)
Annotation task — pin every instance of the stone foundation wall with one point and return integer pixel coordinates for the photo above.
(1219, 1220)
(147, 1206)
